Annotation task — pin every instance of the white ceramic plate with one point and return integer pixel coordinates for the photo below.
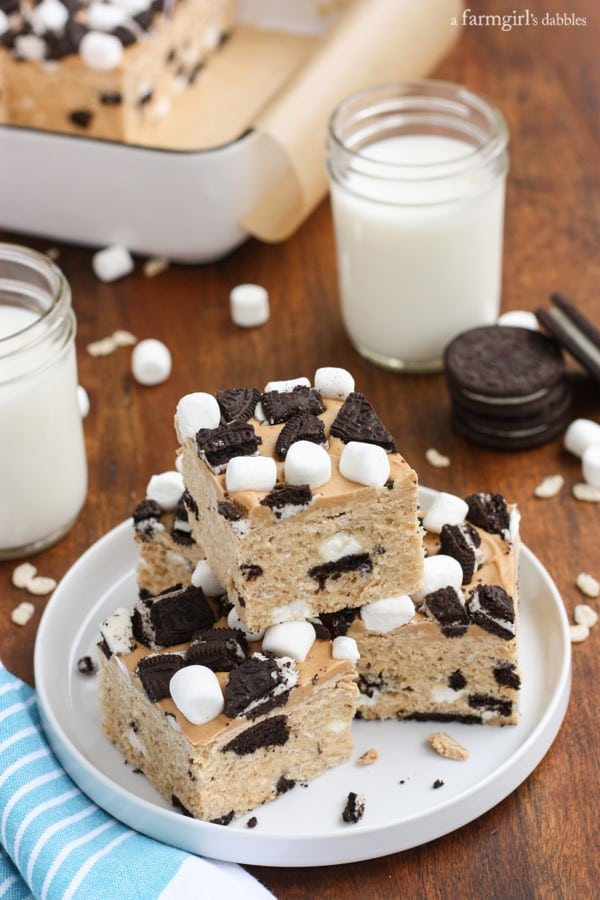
(304, 826)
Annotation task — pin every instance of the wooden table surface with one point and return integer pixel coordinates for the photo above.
(542, 840)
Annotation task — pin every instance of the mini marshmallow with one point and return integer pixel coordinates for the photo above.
(30, 46)
(166, 489)
(285, 386)
(439, 571)
(580, 434)
(446, 509)
(104, 16)
(339, 545)
(307, 463)
(251, 473)
(204, 577)
(590, 465)
(133, 7)
(114, 261)
(520, 318)
(151, 362)
(249, 305)
(100, 51)
(196, 411)
(83, 401)
(345, 648)
(290, 639)
(388, 613)
(365, 463)
(333, 382)
(197, 694)
(234, 621)
(49, 15)
(4, 22)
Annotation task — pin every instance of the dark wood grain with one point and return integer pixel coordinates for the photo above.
(542, 840)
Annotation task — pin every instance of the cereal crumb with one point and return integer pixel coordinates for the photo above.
(585, 615)
(586, 492)
(549, 487)
(86, 665)
(22, 613)
(123, 338)
(438, 783)
(579, 633)
(103, 347)
(154, 266)
(446, 746)
(354, 809)
(368, 757)
(23, 574)
(588, 585)
(53, 253)
(41, 585)
(252, 822)
(437, 459)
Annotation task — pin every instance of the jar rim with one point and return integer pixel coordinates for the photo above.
(450, 102)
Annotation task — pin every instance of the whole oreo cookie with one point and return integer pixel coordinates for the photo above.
(573, 332)
(507, 387)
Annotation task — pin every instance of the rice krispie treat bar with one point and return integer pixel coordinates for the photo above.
(304, 503)
(218, 723)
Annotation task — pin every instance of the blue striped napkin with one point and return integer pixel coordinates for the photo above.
(57, 845)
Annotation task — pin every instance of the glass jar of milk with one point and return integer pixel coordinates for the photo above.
(417, 173)
(43, 471)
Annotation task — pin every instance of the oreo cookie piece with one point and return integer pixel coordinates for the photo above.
(220, 649)
(445, 606)
(357, 421)
(273, 732)
(507, 387)
(155, 672)
(490, 512)
(353, 562)
(258, 685)
(338, 623)
(216, 446)
(286, 499)
(237, 404)
(280, 406)
(462, 542)
(302, 427)
(146, 519)
(171, 618)
(493, 609)
(181, 530)
(573, 332)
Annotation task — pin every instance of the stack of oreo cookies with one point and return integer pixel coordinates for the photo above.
(507, 387)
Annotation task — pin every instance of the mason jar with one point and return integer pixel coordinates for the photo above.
(417, 175)
(43, 471)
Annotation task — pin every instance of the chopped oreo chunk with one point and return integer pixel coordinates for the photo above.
(280, 406)
(444, 605)
(354, 809)
(218, 445)
(370, 684)
(250, 571)
(220, 649)
(256, 686)
(287, 495)
(338, 623)
(172, 618)
(272, 732)
(492, 704)
(438, 783)
(353, 562)
(237, 404)
(177, 804)
(457, 680)
(357, 421)
(465, 718)
(231, 511)
(225, 819)
(462, 542)
(303, 427)
(81, 117)
(147, 509)
(190, 504)
(506, 675)
(493, 609)
(111, 98)
(284, 785)
(488, 511)
(86, 665)
(181, 530)
(155, 673)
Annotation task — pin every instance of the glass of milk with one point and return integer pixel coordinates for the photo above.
(417, 173)
(43, 471)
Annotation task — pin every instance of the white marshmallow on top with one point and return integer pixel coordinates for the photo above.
(367, 464)
(344, 647)
(388, 613)
(151, 362)
(196, 411)
(334, 383)
(204, 577)
(197, 694)
(580, 434)
(439, 571)
(114, 261)
(30, 46)
(4, 22)
(446, 509)
(590, 465)
(251, 473)
(519, 318)
(234, 621)
(105, 16)
(49, 15)
(165, 489)
(307, 463)
(249, 305)
(285, 386)
(292, 639)
(101, 51)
